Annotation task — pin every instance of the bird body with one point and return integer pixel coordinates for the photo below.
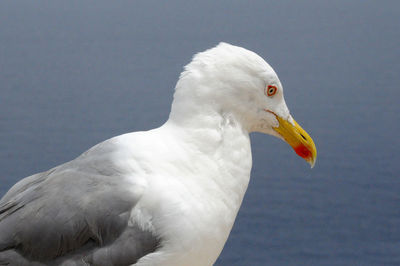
(168, 196)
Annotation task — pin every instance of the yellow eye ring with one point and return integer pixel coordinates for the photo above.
(271, 90)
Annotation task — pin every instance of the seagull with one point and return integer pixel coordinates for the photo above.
(168, 196)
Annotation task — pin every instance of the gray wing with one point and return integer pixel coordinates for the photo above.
(71, 216)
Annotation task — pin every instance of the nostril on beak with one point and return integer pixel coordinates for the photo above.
(303, 137)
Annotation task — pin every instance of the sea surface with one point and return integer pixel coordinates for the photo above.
(74, 73)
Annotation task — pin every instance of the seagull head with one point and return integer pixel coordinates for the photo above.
(233, 81)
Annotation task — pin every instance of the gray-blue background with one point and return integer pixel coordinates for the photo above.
(73, 73)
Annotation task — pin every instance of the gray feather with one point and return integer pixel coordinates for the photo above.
(74, 214)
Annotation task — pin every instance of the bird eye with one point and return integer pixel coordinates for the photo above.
(270, 90)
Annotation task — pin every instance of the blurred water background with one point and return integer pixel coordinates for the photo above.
(74, 73)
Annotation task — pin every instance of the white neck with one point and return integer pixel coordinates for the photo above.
(221, 138)
(217, 157)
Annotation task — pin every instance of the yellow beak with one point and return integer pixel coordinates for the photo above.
(298, 138)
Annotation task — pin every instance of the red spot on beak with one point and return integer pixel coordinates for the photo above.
(302, 151)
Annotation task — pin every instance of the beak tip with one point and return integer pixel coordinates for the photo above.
(312, 162)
